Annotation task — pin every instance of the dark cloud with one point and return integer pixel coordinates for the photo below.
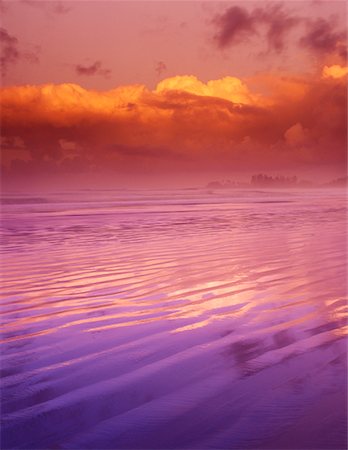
(9, 50)
(11, 53)
(93, 69)
(279, 23)
(237, 24)
(233, 26)
(160, 68)
(323, 38)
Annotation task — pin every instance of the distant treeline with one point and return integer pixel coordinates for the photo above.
(263, 180)
(260, 180)
(267, 180)
(339, 182)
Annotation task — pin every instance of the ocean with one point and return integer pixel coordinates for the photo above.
(174, 319)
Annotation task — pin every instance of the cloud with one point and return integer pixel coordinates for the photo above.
(183, 124)
(295, 135)
(279, 24)
(11, 52)
(322, 38)
(228, 88)
(237, 24)
(234, 26)
(93, 69)
(335, 71)
(160, 68)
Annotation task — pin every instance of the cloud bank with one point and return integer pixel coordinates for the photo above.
(182, 125)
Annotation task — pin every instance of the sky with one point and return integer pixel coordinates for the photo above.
(185, 91)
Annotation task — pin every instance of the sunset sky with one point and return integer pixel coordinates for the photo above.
(176, 90)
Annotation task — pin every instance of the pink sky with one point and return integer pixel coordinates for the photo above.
(269, 57)
(131, 38)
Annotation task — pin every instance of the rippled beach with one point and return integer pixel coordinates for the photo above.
(187, 319)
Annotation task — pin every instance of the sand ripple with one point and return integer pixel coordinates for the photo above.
(174, 319)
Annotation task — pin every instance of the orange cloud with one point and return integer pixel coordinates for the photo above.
(335, 71)
(295, 135)
(183, 124)
(228, 88)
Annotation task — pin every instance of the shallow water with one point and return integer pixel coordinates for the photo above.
(174, 319)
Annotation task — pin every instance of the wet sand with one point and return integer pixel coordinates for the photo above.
(188, 319)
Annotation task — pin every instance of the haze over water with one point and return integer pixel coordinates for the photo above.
(174, 319)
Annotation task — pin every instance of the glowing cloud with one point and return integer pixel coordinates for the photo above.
(335, 71)
(228, 88)
(183, 124)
